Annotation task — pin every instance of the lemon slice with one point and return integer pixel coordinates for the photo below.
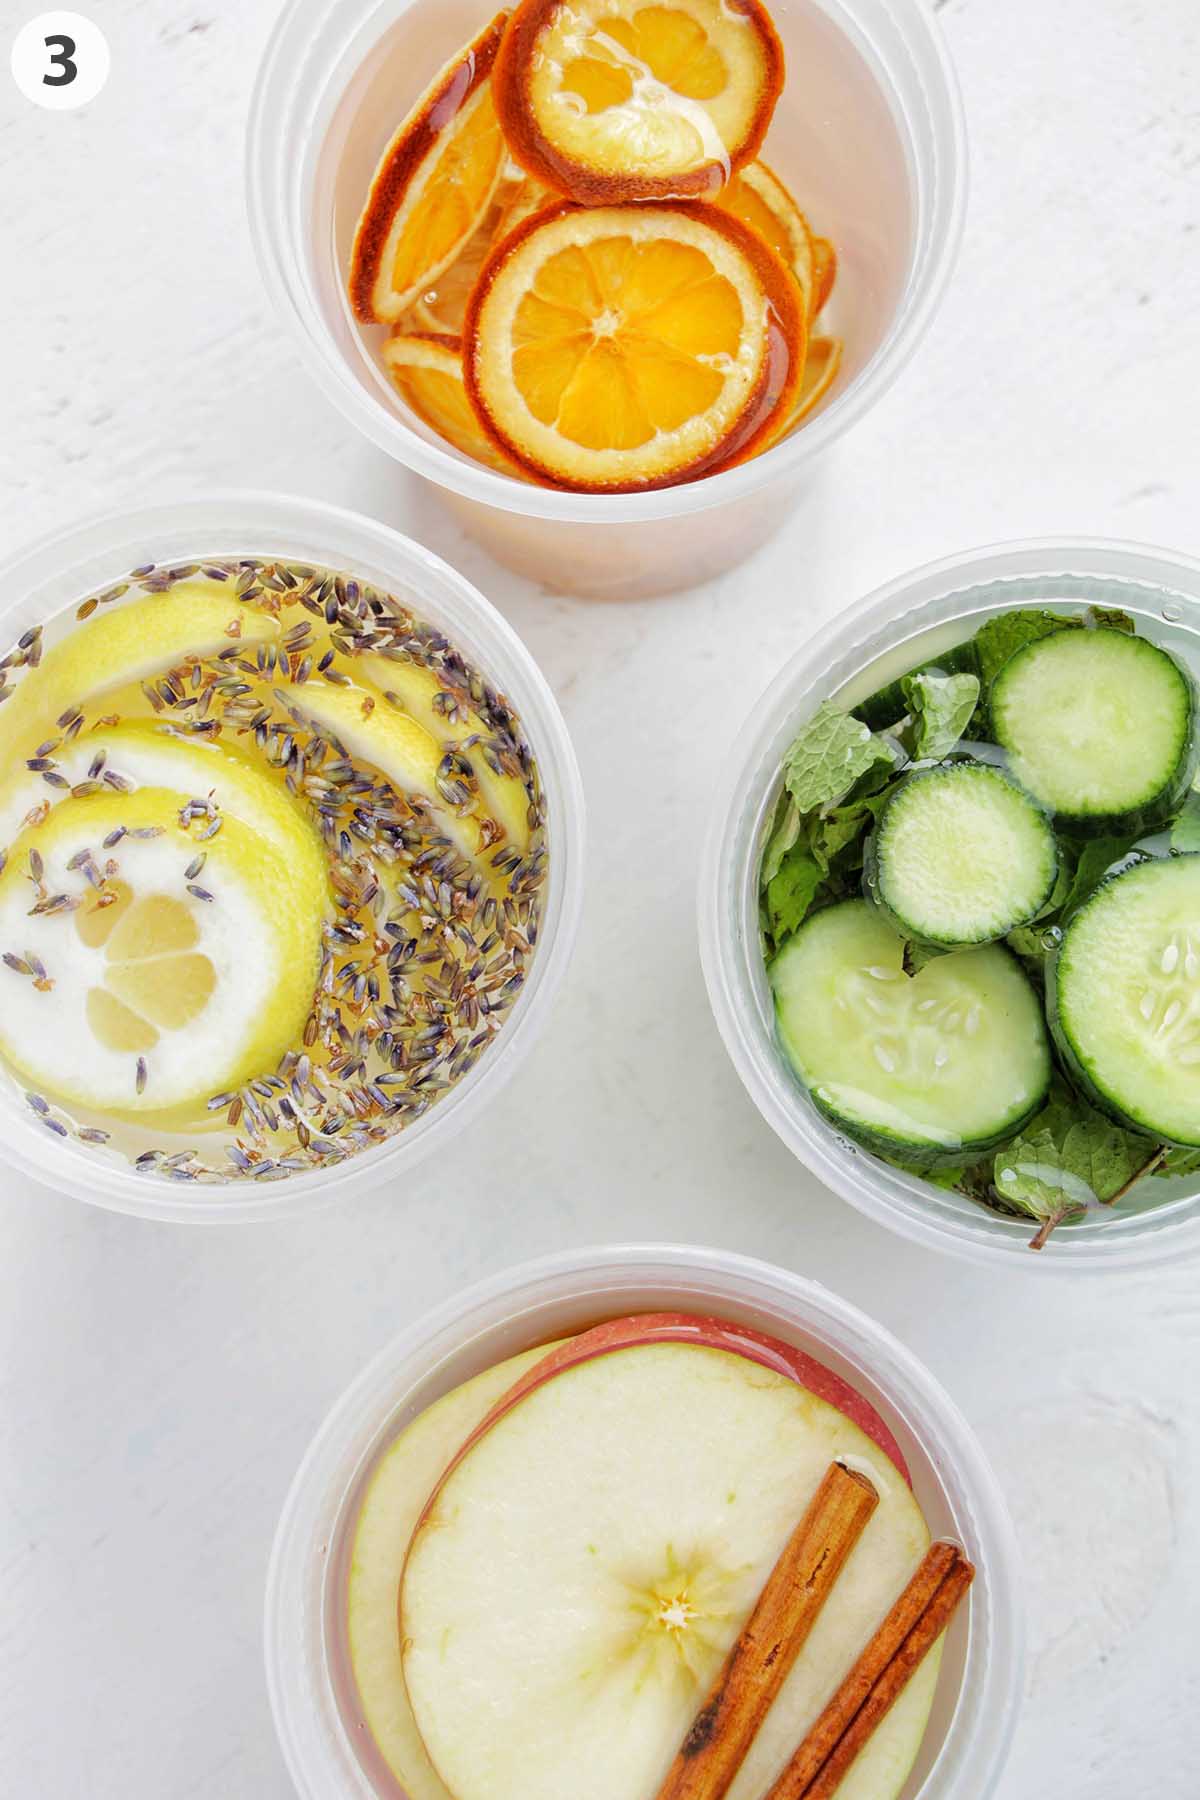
(416, 690)
(625, 348)
(820, 372)
(759, 199)
(114, 649)
(140, 755)
(160, 987)
(427, 372)
(617, 100)
(373, 730)
(433, 187)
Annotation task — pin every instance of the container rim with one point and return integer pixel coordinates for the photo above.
(1158, 1235)
(282, 112)
(68, 563)
(298, 1679)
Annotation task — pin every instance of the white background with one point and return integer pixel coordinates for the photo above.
(158, 1386)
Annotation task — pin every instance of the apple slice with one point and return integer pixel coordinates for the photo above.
(718, 1334)
(588, 1560)
(391, 1506)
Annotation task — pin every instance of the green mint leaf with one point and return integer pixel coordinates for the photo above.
(1028, 945)
(1067, 1160)
(832, 753)
(785, 834)
(887, 705)
(791, 892)
(840, 837)
(1000, 638)
(916, 958)
(1185, 833)
(1097, 857)
(1110, 618)
(1176, 1163)
(942, 707)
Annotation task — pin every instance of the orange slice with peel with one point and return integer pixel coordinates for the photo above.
(529, 198)
(427, 372)
(617, 349)
(758, 197)
(825, 268)
(607, 101)
(820, 372)
(433, 186)
(443, 306)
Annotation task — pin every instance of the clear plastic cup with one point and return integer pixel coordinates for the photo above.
(866, 646)
(870, 130)
(51, 575)
(325, 1745)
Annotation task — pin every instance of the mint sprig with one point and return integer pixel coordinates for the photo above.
(1069, 1159)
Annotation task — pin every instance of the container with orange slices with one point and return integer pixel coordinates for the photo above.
(610, 275)
(590, 277)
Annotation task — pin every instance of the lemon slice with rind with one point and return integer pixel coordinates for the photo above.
(161, 984)
(433, 186)
(759, 199)
(411, 759)
(142, 754)
(616, 100)
(617, 349)
(427, 372)
(447, 715)
(115, 649)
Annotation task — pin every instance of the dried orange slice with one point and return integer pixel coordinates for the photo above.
(433, 186)
(820, 372)
(614, 349)
(443, 307)
(825, 268)
(615, 100)
(529, 198)
(427, 371)
(758, 197)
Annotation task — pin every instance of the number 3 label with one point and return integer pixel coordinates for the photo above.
(60, 60)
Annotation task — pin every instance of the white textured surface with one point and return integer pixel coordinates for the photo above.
(157, 1387)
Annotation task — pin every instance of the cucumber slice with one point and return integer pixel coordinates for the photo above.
(1100, 727)
(922, 1068)
(961, 856)
(1125, 997)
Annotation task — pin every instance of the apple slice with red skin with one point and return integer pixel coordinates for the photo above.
(716, 1334)
(585, 1562)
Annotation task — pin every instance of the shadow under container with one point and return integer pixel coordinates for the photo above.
(874, 642)
(325, 1744)
(49, 577)
(869, 132)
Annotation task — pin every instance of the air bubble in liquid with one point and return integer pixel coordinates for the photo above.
(1172, 612)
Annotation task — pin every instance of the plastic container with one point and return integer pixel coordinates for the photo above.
(869, 128)
(870, 644)
(61, 570)
(329, 1754)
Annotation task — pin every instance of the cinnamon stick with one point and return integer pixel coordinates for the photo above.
(878, 1678)
(760, 1661)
